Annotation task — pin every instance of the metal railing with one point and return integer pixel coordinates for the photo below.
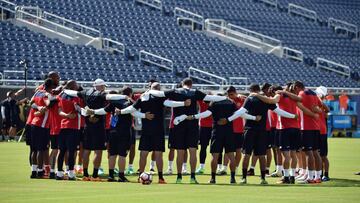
(343, 25)
(152, 3)
(7, 6)
(333, 66)
(245, 80)
(206, 76)
(179, 12)
(302, 11)
(293, 54)
(271, 2)
(113, 46)
(157, 60)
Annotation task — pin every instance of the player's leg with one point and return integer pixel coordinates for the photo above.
(214, 162)
(171, 157)
(152, 162)
(97, 162)
(72, 143)
(193, 161)
(79, 166)
(86, 159)
(121, 165)
(248, 148)
(53, 155)
(205, 135)
(142, 160)
(307, 142)
(293, 164)
(159, 165)
(284, 146)
(224, 166)
(251, 171)
(260, 151)
(132, 152)
(61, 156)
(324, 158)
(180, 153)
(112, 162)
(317, 157)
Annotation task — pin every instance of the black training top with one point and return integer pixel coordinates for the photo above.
(155, 106)
(94, 100)
(182, 94)
(11, 111)
(124, 120)
(257, 107)
(222, 109)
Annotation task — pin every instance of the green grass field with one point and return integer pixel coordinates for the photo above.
(16, 186)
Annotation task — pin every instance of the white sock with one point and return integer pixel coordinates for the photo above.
(281, 167)
(202, 166)
(131, 166)
(60, 174)
(152, 164)
(317, 175)
(252, 167)
(67, 167)
(292, 172)
(184, 166)
(286, 172)
(224, 167)
(71, 174)
(34, 167)
(267, 168)
(219, 166)
(277, 168)
(170, 165)
(311, 175)
(52, 170)
(40, 170)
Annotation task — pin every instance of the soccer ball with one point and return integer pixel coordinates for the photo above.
(145, 178)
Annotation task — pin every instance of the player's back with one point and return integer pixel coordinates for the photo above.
(222, 109)
(257, 107)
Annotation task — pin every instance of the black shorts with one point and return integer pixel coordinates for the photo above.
(239, 140)
(222, 138)
(276, 137)
(119, 142)
(255, 141)
(170, 138)
(94, 138)
(289, 139)
(205, 135)
(68, 139)
(323, 145)
(186, 135)
(310, 140)
(27, 134)
(133, 136)
(152, 141)
(40, 138)
(6, 125)
(107, 134)
(270, 137)
(54, 141)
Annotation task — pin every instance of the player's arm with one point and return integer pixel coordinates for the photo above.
(284, 114)
(19, 92)
(214, 98)
(306, 111)
(114, 97)
(3, 113)
(242, 112)
(174, 104)
(268, 100)
(289, 94)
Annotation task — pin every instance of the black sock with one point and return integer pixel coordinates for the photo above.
(233, 175)
(213, 175)
(202, 154)
(286, 178)
(326, 174)
(263, 175)
(121, 175)
(179, 176)
(251, 169)
(111, 173)
(244, 173)
(161, 175)
(192, 175)
(95, 173)
(86, 173)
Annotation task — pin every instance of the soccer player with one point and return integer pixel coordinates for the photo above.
(310, 110)
(186, 135)
(204, 134)
(70, 129)
(255, 132)
(40, 128)
(322, 92)
(152, 137)
(94, 138)
(223, 136)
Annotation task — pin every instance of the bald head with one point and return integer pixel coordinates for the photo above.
(54, 76)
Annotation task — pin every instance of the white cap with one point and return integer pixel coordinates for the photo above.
(321, 91)
(99, 82)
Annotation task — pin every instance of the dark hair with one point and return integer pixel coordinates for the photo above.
(69, 84)
(126, 91)
(48, 83)
(265, 86)
(288, 85)
(80, 88)
(299, 84)
(187, 82)
(254, 88)
(179, 85)
(113, 92)
(9, 93)
(230, 89)
(275, 88)
(52, 74)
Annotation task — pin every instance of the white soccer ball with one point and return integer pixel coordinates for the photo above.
(145, 178)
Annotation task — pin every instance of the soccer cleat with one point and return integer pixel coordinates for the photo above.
(152, 171)
(325, 179)
(317, 181)
(283, 181)
(200, 171)
(33, 175)
(123, 180)
(263, 182)
(232, 181)
(222, 172)
(302, 178)
(59, 178)
(86, 178)
(178, 181)
(162, 181)
(101, 171)
(303, 182)
(40, 175)
(52, 175)
(97, 179)
(251, 172)
(276, 174)
(358, 173)
(243, 181)
(169, 172)
(72, 178)
(193, 181)
(116, 171)
(185, 172)
(292, 180)
(129, 171)
(111, 179)
(212, 181)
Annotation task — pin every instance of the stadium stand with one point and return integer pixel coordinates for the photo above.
(141, 28)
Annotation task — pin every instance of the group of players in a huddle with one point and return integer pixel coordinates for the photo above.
(289, 122)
